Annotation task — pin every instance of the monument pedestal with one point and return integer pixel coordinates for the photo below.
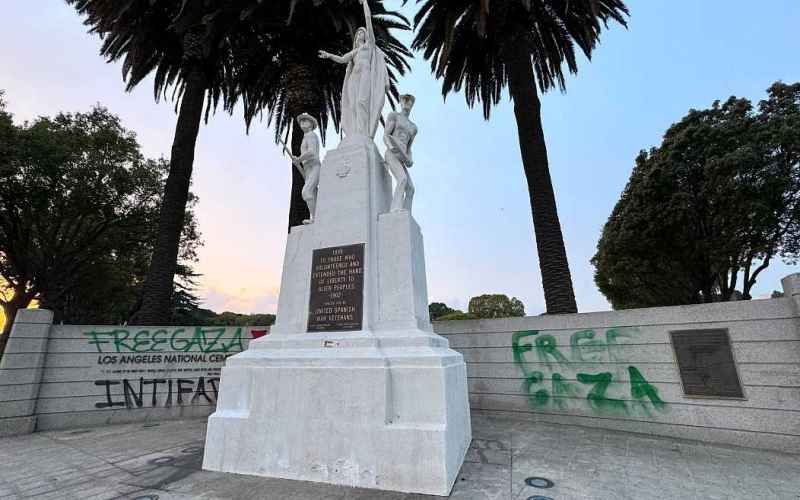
(352, 386)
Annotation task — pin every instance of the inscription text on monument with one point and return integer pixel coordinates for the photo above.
(337, 289)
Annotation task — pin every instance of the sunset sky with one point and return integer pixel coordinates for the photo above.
(471, 200)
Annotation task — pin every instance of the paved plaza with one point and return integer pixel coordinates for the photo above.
(163, 461)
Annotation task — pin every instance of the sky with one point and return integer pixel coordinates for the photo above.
(471, 198)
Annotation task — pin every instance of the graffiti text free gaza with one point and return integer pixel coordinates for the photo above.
(205, 340)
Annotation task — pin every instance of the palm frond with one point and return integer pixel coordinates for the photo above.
(469, 42)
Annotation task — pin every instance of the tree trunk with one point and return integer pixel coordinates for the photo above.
(556, 279)
(20, 300)
(157, 291)
(298, 210)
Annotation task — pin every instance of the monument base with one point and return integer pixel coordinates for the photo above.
(385, 411)
(372, 397)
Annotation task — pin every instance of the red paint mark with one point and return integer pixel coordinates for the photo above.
(257, 334)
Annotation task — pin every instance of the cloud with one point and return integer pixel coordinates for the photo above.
(243, 300)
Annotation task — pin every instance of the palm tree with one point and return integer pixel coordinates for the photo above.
(482, 45)
(188, 47)
(199, 50)
(282, 74)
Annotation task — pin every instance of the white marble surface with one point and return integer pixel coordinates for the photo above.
(384, 407)
(392, 418)
(399, 136)
(366, 81)
(353, 191)
(309, 162)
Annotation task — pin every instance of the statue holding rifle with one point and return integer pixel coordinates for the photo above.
(308, 163)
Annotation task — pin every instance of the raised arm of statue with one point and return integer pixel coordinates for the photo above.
(368, 23)
(338, 59)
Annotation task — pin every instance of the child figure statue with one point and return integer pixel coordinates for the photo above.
(399, 134)
(308, 162)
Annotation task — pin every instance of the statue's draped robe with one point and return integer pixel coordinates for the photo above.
(353, 120)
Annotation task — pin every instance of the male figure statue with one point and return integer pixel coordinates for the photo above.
(308, 162)
(398, 136)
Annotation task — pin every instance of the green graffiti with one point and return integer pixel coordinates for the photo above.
(641, 388)
(531, 379)
(563, 391)
(589, 388)
(546, 349)
(205, 340)
(597, 396)
(584, 348)
(519, 350)
(537, 398)
(612, 334)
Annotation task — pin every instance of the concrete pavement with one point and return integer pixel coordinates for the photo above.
(161, 461)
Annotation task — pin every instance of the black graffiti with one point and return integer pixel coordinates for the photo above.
(134, 392)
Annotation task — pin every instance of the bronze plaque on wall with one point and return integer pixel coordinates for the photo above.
(706, 363)
(337, 289)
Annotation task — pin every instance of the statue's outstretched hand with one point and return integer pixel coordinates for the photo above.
(323, 55)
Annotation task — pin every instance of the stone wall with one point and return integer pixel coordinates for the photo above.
(62, 376)
(618, 370)
(612, 370)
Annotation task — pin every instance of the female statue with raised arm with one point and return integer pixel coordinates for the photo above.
(366, 81)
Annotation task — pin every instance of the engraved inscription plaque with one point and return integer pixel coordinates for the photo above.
(706, 363)
(337, 289)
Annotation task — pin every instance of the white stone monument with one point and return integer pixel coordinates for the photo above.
(351, 386)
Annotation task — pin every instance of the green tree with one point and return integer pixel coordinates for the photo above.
(482, 45)
(191, 49)
(228, 318)
(283, 74)
(438, 309)
(78, 204)
(457, 316)
(709, 209)
(204, 51)
(193, 315)
(490, 306)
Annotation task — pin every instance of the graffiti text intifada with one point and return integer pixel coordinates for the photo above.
(568, 381)
(205, 340)
(186, 391)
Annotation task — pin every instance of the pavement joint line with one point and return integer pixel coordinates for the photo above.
(81, 451)
(57, 488)
(584, 463)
